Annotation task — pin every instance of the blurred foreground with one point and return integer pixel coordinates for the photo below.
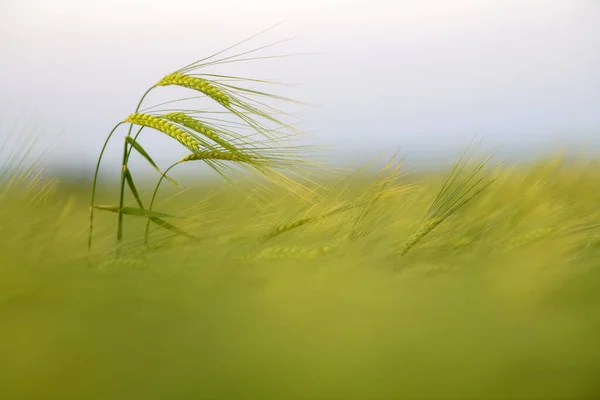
(500, 301)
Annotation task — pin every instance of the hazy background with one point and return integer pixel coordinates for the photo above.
(422, 75)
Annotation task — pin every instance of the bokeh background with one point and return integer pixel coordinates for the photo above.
(424, 76)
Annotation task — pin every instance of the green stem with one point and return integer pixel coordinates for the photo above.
(126, 154)
(135, 140)
(94, 184)
(122, 198)
(164, 174)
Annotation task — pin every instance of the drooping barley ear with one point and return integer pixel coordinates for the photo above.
(425, 229)
(287, 227)
(165, 127)
(197, 126)
(529, 238)
(123, 261)
(280, 229)
(455, 193)
(294, 252)
(195, 83)
(216, 155)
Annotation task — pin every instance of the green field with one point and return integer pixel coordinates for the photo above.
(499, 301)
(272, 276)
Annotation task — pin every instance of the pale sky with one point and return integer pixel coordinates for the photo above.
(421, 75)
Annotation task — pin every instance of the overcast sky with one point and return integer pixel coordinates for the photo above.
(422, 75)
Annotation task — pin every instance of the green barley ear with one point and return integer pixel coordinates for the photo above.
(165, 127)
(199, 127)
(456, 192)
(283, 228)
(127, 262)
(529, 238)
(217, 155)
(426, 227)
(279, 252)
(201, 85)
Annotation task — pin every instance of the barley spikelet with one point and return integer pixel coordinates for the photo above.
(423, 231)
(287, 227)
(165, 127)
(129, 262)
(197, 126)
(303, 221)
(461, 243)
(215, 155)
(294, 252)
(529, 238)
(195, 83)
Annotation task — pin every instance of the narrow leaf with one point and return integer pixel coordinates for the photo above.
(138, 147)
(166, 225)
(153, 215)
(138, 212)
(131, 184)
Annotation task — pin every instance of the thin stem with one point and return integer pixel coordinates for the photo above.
(122, 196)
(95, 183)
(134, 140)
(126, 154)
(164, 174)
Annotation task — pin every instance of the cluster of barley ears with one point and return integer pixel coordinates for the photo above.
(246, 132)
(358, 214)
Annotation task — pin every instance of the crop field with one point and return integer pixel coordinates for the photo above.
(285, 278)
(500, 300)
